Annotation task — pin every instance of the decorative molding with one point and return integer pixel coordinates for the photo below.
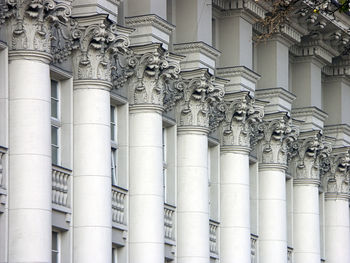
(310, 116)
(197, 47)
(29, 23)
(150, 20)
(96, 48)
(310, 150)
(147, 72)
(275, 137)
(335, 174)
(240, 71)
(198, 99)
(240, 115)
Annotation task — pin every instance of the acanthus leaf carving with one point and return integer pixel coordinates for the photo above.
(335, 172)
(147, 74)
(276, 144)
(241, 116)
(95, 48)
(198, 100)
(29, 22)
(310, 152)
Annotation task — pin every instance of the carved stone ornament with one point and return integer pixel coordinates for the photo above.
(240, 114)
(147, 73)
(275, 137)
(310, 152)
(335, 173)
(196, 95)
(29, 22)
(96, 47)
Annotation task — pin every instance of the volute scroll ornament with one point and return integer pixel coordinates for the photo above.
(147, 72)
(276, 137)
(198, 100)
(311, 150)
(29, 22)
(96, 46)
(240, 117)
(335, 173)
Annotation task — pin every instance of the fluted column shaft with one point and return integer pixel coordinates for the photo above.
(146, 185)
(92, 172)
(234, 205)
(272, 214)
(193, 196)
(29, 157)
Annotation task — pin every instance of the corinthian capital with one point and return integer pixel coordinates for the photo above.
(240, 115)
(147, 72)
(96, 46)
(275, 137)
(198, 99)
(335, 173)
(311, 150)
(29, 22)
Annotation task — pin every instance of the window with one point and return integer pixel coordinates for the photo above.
(55, 247)
(55, 122)
(164, 149)
(114, 148)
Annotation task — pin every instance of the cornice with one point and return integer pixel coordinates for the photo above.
(309, 111)
(150, 20)
(265, 94)
(250, 10)
(240, 71)
(200, 47)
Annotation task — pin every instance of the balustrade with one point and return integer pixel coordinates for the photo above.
(118, 205)
(169, 224)
(60, 186)
(253, 247)
(213, 237)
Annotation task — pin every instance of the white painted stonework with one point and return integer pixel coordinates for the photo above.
(169, 134)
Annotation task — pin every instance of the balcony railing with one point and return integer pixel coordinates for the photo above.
(253, 247)
(118, 205)
(290, 255)
(213, 238)
(169, 222)
(60, 186)
(3, 190)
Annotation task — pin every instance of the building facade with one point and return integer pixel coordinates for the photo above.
(152, 131)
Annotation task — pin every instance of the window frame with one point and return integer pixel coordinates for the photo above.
(58, 248)
(56, 122)
(114, 144)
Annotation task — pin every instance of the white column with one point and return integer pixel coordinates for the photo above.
(146, 211)
(337, 228)
(235, 205)
(146, 223)
(306, 218)
(92, 172)
(29, 157)
(272, 214)
(235, 133)
(92, 218)
(272, 154)
(306, 212)
(192, 116)
(193, 196)
(29, 234)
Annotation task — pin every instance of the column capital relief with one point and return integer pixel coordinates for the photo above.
(198, 99)
(96, 47)
(335, 172)
(241, 115)
(274, 138)
(147, 72)
(309, 151)
(29, 24)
